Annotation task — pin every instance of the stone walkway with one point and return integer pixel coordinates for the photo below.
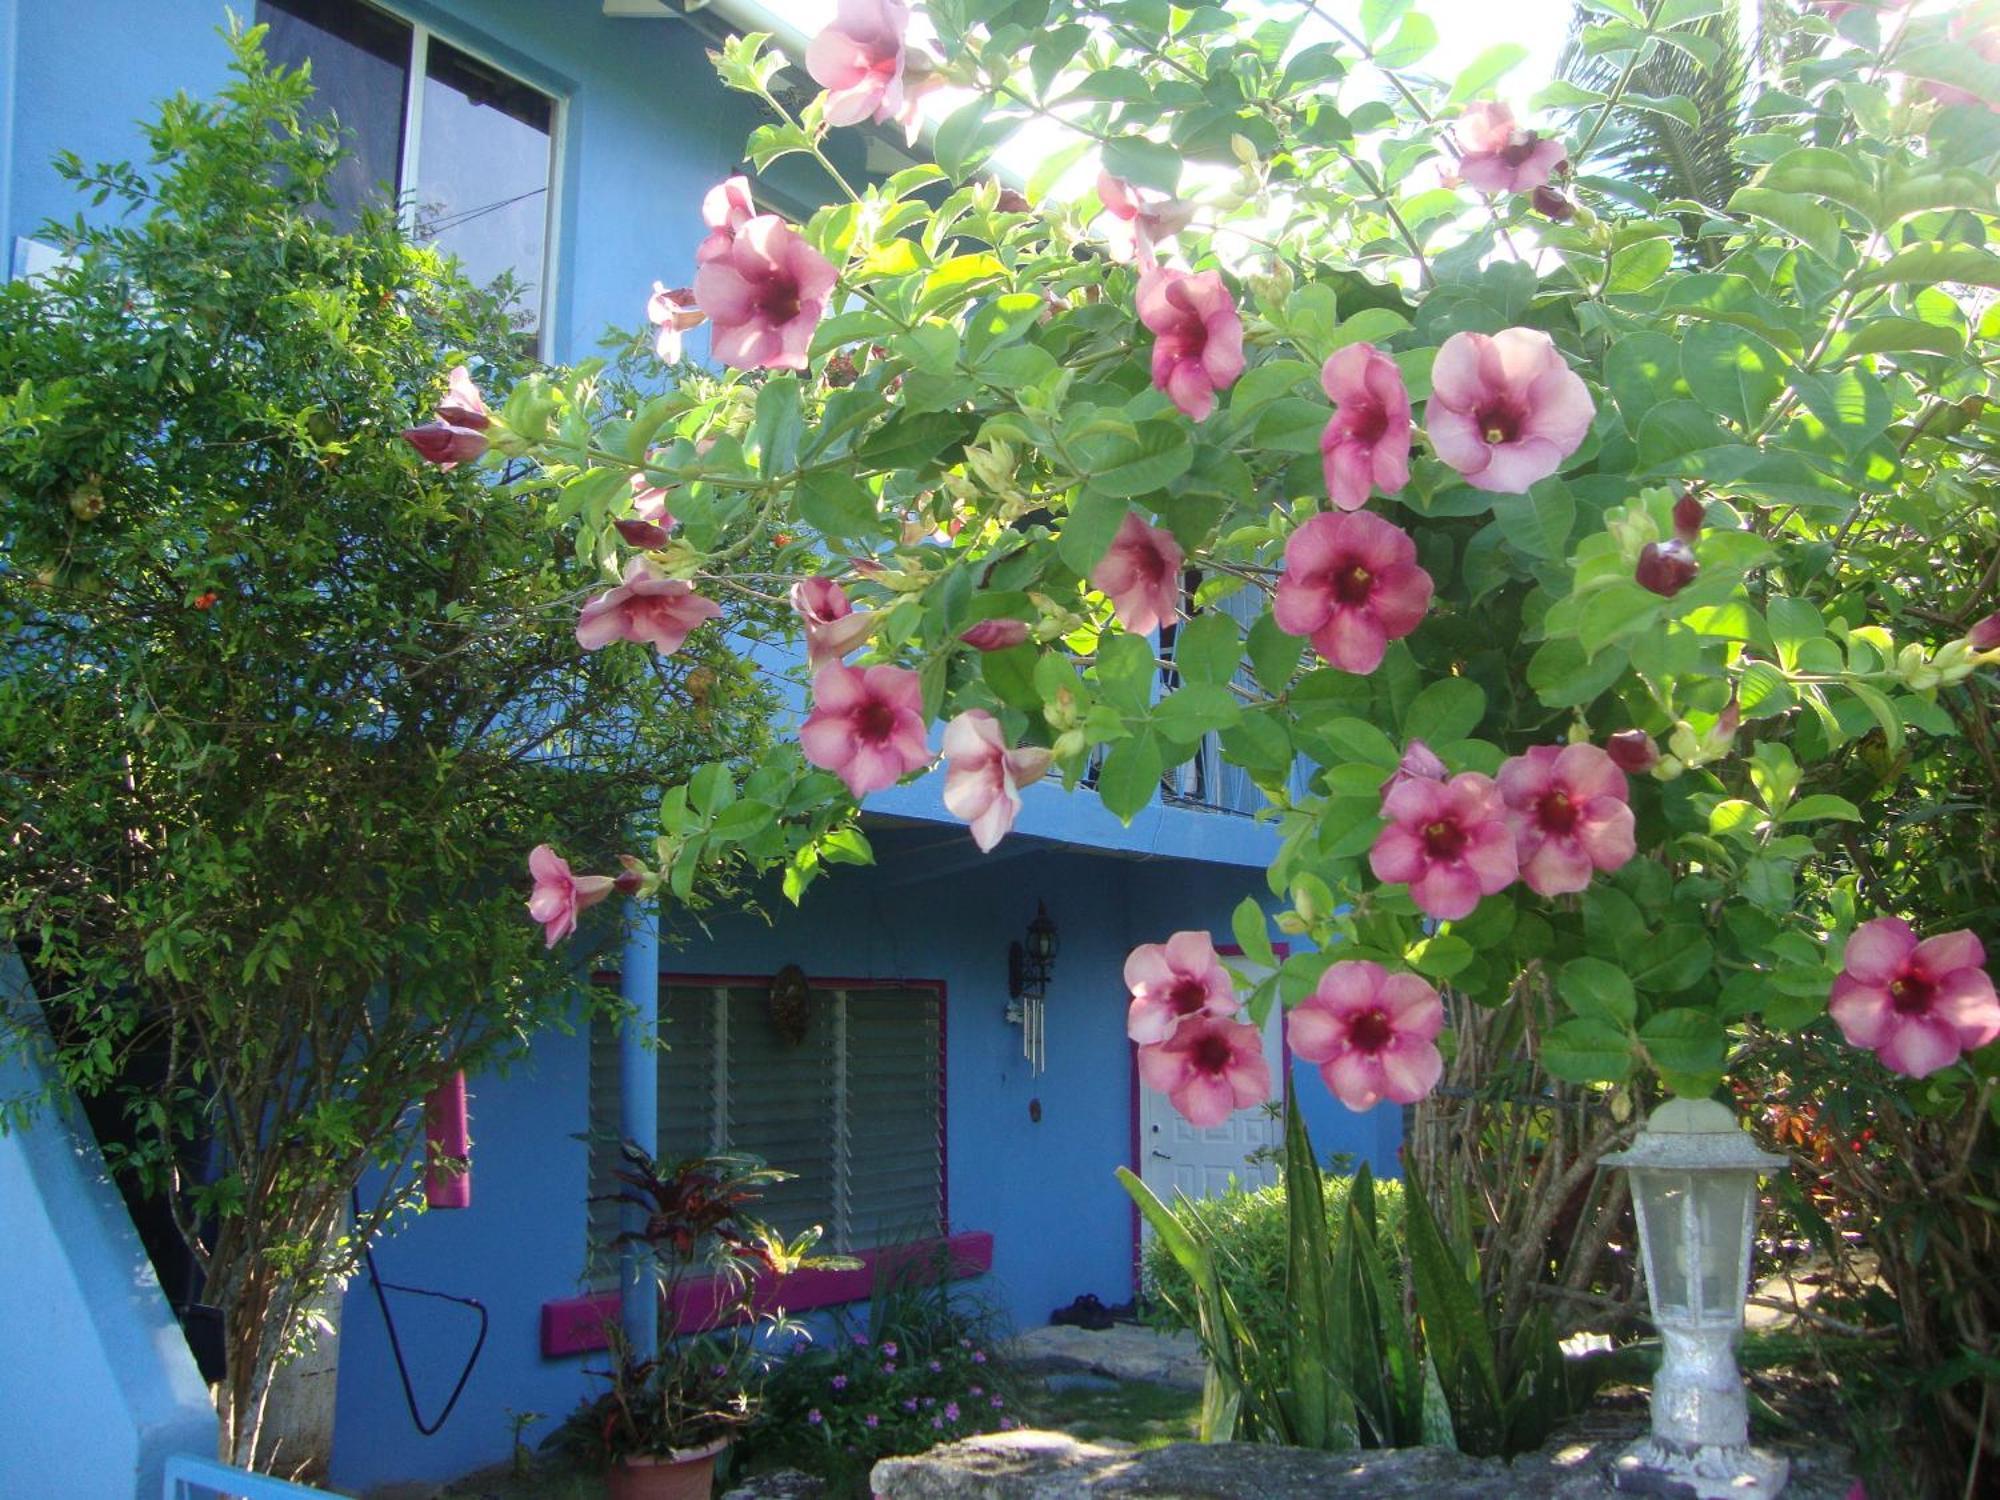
(1125, 1351)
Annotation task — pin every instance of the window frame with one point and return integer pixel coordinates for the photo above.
(716, 1101)
(415, 74)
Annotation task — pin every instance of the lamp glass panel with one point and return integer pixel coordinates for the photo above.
(1722, 1205)
(1663, 1203)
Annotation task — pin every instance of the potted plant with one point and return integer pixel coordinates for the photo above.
(665, 1418)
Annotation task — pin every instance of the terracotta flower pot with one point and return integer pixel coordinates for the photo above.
(684, 1474)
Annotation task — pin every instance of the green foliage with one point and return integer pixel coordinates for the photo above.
(283, 709)
(1333, 1359)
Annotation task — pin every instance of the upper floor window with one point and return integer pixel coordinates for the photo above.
(466, 149)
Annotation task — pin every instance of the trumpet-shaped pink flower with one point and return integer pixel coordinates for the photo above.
(1419, 763)
(1448, 841)
(1916, 1005)
(765, 294)
(1141, 219)
(457, 434)
(1208, 1069)
(858, 60)
(866, 725)
(462, 405)
(1174, 983)
(1197, 335)
(1505, 409)
(1976, 30)
(1497, 156)
(672, 312)
(1141, 575)
(645, 607)
(833, 626)
(1568, 808)
(725, 209)
(1367, 444)
(1351, 583)
(650, 520)
(1372, 1033)
(983, 778)
(995, 635)
(558, 895)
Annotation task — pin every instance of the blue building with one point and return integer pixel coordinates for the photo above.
(569, 142)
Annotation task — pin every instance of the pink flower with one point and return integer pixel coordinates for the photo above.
(766, 293)
(462, 405)
(858, 60)
(672, 313)
(457, 434)
(1373, 1034)
(1497, 156)
(1632, 751)
(1142, 218)
(995, 635)
(1175, 982)
(1351, 583)
(558, 895)
(445, 445)
(1448, 841)
(983, 778)
(833, 626)
(1419, 763)
(645, 607)
(1505, 410)
(1141, 575)
(650, 520)
(1976, 33)
(725, 209)
(1197, 336)
(1208, 1069)
(1568, 808)
(1367, 444)
(866, 726)
(1916, 1006)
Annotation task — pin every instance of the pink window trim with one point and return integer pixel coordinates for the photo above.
(576, 1325)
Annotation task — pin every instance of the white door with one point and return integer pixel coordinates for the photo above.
(1177, 1158)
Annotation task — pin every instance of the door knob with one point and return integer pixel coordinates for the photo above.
(1161, 1155)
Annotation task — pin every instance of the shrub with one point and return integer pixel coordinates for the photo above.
(1247, 1230)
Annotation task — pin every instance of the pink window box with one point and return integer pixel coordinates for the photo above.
(575, 1325)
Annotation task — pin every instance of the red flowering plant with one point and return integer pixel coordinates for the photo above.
(1649, 519)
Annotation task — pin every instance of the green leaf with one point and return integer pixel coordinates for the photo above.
(1449, 709)
(1414, 40)
(1274, 655)
(1927, 265)
(837, 505)
(1145, 162)
(1252, 931)
(1115, 464)
(1676, 107)
(1820, 172)
(1611, 613)
(1486, 69)
(1207, 648)
(1673, 959)
(1592, 987)
(1358, 740)
(1377, 16)
(1130, 776)
(1439, 957)
(1586, 1049)
(957, 142)
(1733, 373)
(1897, 336)
(1793, 214)
(1454, 1315)
(1686, 1041)
(1883, 711)
(1195, 710)
(1125, 671)
(1093, 520)
(1564, 676)
(1822, 805)
(778, 426)
(1539, 523)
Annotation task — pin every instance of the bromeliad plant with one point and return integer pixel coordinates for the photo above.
(1574, 569)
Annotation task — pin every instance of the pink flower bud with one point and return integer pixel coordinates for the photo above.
(641, 533)
(1552, 204)
(1633, 751)
(995, 635)
(1689, 514)
(443, 444)
(628, 881)
(1666, 567)
(1985, 636)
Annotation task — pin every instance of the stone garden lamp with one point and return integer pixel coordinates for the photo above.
(1694, 1186)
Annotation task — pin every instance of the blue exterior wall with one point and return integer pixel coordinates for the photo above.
(932, 908)
(82, 1315)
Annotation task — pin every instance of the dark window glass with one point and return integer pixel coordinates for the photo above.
(360, 62)
(481, 187)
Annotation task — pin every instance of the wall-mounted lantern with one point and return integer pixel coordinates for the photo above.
(1694, 1187)
(1029, 965)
